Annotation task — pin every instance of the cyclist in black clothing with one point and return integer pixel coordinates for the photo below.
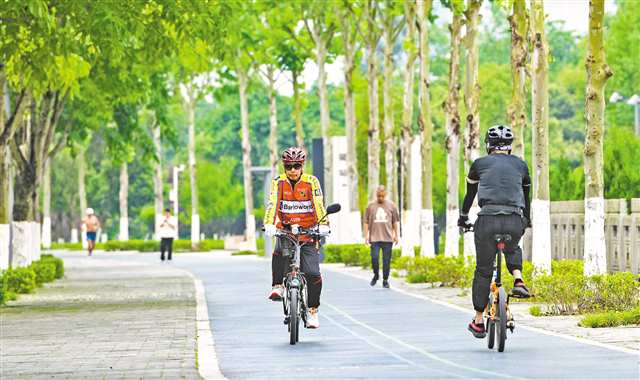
(502, 183)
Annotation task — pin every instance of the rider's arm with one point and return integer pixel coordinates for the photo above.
(473, 179)
(318, 200)
(270, 211)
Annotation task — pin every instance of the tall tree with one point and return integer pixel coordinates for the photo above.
(46, 205)
(424, 122)
(471, 101)
(452, 127)
(391, 28)
(598, 72)
(516, 116)
(373, 35)
(540, 206)
(407, 128)
(123, 197)
(350, 15)
(190, 95)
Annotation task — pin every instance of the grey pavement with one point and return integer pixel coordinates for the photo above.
(106, 319)
(374, 334)
(625, 337)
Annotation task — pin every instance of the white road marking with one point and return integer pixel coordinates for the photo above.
(417, 349)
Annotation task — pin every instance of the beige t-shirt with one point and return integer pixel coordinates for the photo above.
(381, 217)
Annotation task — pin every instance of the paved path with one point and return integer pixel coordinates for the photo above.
(374, 334)
(105, 319)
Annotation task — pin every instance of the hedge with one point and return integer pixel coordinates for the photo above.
(145, 245)
(25, 280)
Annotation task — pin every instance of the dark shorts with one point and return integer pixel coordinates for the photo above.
(91, 235)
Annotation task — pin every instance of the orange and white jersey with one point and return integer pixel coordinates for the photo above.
(301, 204)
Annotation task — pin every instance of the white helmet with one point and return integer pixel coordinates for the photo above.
(90, 211)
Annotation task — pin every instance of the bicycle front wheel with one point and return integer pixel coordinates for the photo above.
(293, 317)
(502, 319)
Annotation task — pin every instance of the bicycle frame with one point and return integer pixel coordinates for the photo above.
(496, 284)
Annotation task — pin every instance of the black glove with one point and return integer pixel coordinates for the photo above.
(526, 222)
(463, 221)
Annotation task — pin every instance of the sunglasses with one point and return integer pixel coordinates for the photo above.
(292, 166)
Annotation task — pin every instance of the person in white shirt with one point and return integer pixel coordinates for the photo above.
(167, 233)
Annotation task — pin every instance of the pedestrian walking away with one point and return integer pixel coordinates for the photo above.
(92, 225)
(381, 231)
(167, 233)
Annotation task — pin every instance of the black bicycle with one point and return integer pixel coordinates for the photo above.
(295, 285)
(498, 317)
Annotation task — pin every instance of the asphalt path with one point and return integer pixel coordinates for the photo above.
(372, 333)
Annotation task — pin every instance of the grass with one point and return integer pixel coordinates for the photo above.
(611, 318)
(244, 253)
(535, 310)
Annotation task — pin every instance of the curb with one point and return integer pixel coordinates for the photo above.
(459, 308)
(207, 359)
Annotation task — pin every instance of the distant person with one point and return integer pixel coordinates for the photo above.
(167, 233)
(381, 230)
(92, 224)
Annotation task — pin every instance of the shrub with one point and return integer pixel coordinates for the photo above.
(244, 253)
(535, 310)
(58, 262)
(20, 280)
(561, 292)
(67, 246)
(612, 292)
(612, 318)
(45, 271)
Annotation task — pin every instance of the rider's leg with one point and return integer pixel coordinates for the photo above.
(485, 228)
(278, 263)
(375, 258)
(310, 266)
(386, 259)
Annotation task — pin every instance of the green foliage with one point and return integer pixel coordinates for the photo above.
(244, 253)
(58, 262)
(353, 254)
(20, 280)
(154, 246)
(611, 318)
(67, 246)
(45, 271)
(447, 271)
(535, 310)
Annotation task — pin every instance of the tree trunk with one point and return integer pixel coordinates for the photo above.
(297, 109)
(190, 103)
(389, 127)
(325, 118)
(273, 121)
(372, 76)
(598, 72)
(471, 101)
(124, 207)
(349, 36)
(46, 205)
(250, 231)
(540, 206)
(516, 116)
(452, 122)
(157, 179)
(5, 172)
(424, 121)
(409, 229)
(25, 189)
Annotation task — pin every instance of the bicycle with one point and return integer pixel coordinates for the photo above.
(295, 298)
(498, 316)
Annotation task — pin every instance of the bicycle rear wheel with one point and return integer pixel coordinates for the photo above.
(501, 328)
(293, 317)
(491, 327)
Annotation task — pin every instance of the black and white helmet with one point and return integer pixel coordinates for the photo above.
(499, 137)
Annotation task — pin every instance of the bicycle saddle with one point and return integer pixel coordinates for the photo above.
(502, 237)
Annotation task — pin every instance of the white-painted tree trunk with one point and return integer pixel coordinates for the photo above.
(36, 240)
(21, 244)
(5, 240)
(595, 249)
(190, 103)
(541, 241)
(74, 235)
(273, 121)
(46, 205)
(427, 247)
(124, 208)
